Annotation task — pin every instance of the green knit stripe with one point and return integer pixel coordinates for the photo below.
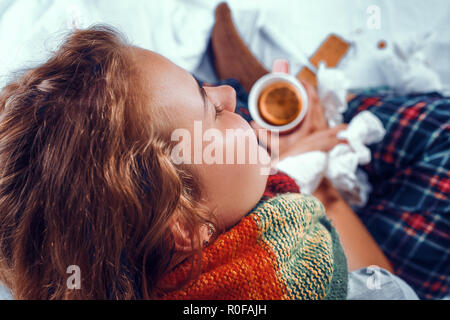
(291, 225)
(339, 284)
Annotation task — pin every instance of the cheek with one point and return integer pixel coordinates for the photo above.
(239, 139)
(232, 191)
(241, 142)
(234, 187)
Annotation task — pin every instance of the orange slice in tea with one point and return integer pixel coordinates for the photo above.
(279, 103)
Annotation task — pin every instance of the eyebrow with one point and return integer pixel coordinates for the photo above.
(204, 96)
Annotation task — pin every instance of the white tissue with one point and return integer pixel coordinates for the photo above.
(364, 129)
(343, 160)
(341, 170)
(307, 169)
(406, 69)
(332, 91)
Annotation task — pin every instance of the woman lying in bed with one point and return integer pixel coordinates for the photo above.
(89, 182)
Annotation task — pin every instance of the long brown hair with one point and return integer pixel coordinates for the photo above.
(86, 177)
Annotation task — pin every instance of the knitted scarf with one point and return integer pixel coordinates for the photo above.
(285, 248)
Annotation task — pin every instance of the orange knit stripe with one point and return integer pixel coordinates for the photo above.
(232, 268)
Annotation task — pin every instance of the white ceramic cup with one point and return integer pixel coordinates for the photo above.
(280, 72)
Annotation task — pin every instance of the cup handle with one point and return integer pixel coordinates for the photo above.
(280, 65)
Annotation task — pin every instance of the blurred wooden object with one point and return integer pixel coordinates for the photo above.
(331, 51)
(232, 57)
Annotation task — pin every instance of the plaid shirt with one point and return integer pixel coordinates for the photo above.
(408, 212)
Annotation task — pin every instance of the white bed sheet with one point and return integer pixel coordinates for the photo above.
(180, 29)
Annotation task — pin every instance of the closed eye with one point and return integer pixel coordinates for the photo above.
(219, 109)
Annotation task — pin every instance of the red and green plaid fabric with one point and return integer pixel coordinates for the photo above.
(408, 212)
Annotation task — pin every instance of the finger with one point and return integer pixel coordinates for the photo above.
(334, 132)
(310, 90)
(306, 85)
(329, 143)
(337, 129)
(255, 125)
(280, 65)
(333, 140)
(340, 127)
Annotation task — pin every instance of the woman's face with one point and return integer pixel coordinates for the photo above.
(215, 142)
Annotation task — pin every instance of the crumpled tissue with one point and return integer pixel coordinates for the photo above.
(406, 69)
(332, 90)
(340, 165)
(307, 169)
(344, 159)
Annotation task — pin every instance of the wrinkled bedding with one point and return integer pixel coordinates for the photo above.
(180, 29)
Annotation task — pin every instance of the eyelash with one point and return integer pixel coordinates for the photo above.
(219, 109)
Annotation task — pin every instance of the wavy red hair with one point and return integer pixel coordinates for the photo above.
(86, 177)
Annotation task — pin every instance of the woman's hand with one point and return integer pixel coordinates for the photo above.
(297, 142)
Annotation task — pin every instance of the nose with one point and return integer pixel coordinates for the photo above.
(224, 95)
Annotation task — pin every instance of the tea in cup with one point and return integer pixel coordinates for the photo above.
(278, 101)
